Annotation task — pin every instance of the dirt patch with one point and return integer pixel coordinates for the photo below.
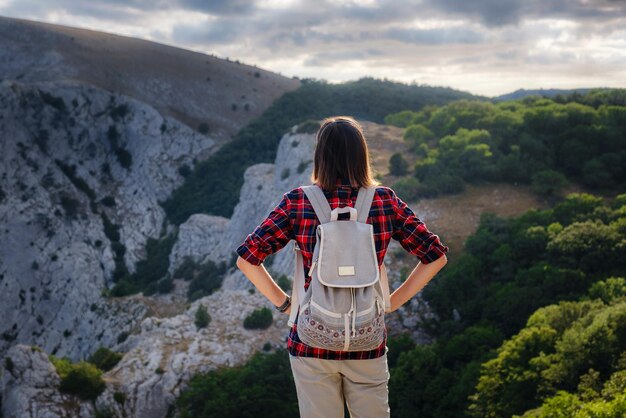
(454, 217)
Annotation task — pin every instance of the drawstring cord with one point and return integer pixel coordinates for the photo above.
(353, 310)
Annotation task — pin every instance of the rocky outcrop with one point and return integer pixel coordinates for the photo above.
(167, 352)
(264, 185)
(72, 155)
(29, 387)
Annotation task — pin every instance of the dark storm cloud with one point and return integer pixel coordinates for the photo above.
(220, 7)
(115, 10)
(507, 12)
(434, 36)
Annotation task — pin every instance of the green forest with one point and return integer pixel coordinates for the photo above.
(540, 330)
(531, 316)
(213, 185)
(538, 141)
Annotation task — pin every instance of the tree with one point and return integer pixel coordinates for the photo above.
(548, 182)
(398, 165)
(202, 317)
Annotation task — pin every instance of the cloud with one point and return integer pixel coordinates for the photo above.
(211, 32)
(494, 13)
(434, 36)
(329, 58)
(481, 45)
(220, 7)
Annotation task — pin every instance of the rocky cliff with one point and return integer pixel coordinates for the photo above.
(73, 157)
(174, 345)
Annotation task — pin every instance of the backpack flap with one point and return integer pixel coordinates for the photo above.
(347, 255)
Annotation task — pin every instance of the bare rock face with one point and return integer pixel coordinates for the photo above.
(29, 388)
(71, 156)
(161, 354)
(167, 352)
(263, 188)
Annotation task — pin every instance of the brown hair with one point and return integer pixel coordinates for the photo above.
(341, 152)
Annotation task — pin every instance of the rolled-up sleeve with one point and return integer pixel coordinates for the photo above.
(270, 236)
(413, 235)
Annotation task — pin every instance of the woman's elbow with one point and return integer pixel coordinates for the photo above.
(241, 263)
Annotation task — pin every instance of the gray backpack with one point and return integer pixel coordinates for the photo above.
(344, 306)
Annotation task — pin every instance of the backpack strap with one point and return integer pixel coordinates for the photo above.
(384, 284)
(319, 202)
(364, 203)
(298, 285)
(322, 210)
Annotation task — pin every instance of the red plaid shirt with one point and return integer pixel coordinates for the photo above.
(294, 218)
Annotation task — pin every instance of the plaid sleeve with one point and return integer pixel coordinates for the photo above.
(270, 236)
(413, 235)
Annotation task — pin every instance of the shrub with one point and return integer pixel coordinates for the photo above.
(122, 336)
(111, 230)
(548, 182)
(308, 127)
(82, 379)
(70, 172)
(398, 165)
(259, 319)
(205, 278)
(284, 282)
(8, 364)
(236, 391)
(108, 201)
(303, 165)
(165, 285)
(54, 101)
(105, 359)
(203, 128)
(70, 206)
(124, 157)
(119, 112)
(184, 170)
(119, 397)
(202, 317)
(407, 188)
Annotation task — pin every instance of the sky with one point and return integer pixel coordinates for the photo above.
(486, 47)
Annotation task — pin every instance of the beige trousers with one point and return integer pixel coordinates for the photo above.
(323, 385)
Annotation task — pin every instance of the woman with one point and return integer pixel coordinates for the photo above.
(325, 379)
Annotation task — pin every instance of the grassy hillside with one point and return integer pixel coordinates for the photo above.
(213, 95)
(213, 187)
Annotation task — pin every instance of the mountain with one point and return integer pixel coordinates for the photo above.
(98, 130)
(192, 87)
(521, 93)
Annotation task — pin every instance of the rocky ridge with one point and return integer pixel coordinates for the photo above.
(72, 153)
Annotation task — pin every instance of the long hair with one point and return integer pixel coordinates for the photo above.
(341, 152)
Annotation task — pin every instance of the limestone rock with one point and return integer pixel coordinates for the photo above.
(70, 153)
(161, 359)
(29, 388)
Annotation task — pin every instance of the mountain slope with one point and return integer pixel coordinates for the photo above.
(193, 87)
